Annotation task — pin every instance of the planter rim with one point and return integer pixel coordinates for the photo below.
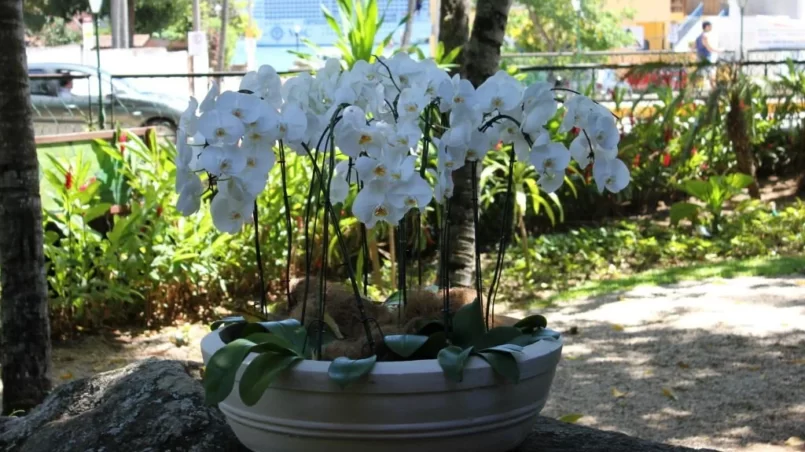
(404, 376)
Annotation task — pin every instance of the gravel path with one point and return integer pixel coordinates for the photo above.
(717, 364)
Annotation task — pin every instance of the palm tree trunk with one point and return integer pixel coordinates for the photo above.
(222, 37)
(454, 26)
(480, 60)
(24, 326)
(454, 31)
(409, 25)
(737, 130)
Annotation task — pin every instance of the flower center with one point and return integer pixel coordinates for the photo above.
(548, 164)
(255, 136)
(381, 211)
(497, 102)
(458, 100)
(404, 79)
(237, 112)
(379, 171)
(236, 216)
(220, 132)
(365, 139)
(472, 154)
(410, 108)
(283, 128)
(251, 162)
(410, 202)
(224, 165)
(448, 164)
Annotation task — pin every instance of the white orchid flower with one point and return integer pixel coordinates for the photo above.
(208, 103)
(412, 103)
(389, 166)
(265, 83)
(501, 92)
(603, 131)
(539, 106)
(550, 161)
(443, 188)
(188, 121)
(372, 205)
(189, 187)
(263, 132)
(356, 140)
(339, 185)
(220, 128)
(612, 175)
(415, 193)
(292, 124)
(222, 161)
(245, 107)
(230, 214)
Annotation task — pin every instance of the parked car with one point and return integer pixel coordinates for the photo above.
(67, 99)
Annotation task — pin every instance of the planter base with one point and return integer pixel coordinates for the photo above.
(398, 407)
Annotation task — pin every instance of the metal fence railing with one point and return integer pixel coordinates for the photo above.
(159, 99)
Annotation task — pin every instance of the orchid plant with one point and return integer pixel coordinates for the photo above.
(376, 128)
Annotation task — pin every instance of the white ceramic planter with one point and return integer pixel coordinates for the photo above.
(398, 407)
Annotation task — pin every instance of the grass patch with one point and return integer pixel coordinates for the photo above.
(764, 266)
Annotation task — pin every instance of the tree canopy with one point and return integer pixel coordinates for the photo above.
(551, 26)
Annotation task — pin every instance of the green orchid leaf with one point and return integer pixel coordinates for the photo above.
(252, 328)
(344, 371)
(504, 364)
(539, 335)
(452, 360)
(547, 333)
(231, 332)
(429, 327)
(468, 324)
(405, 345)
(505, 348)
(532, 323)
(219, 375)
(436, 342)
(227, 321)
(497, 336)
(260, 373)
(289, 329)
(267, 342)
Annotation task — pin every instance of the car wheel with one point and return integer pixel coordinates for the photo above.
(165, 129)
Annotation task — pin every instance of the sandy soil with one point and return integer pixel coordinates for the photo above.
(717, 364)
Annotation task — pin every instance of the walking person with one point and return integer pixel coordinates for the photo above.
(707, 52)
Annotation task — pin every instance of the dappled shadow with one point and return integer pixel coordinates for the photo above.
(717, 365)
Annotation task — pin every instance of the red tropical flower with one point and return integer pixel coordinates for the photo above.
(159, 211)
(636, 161)
(68, 180)
(666, 160)
(89, 182)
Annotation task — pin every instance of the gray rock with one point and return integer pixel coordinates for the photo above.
(158, 406)
(151, 406)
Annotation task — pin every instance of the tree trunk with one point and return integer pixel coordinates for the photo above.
(737, 131)
(454, 31)
(24, 326)
(454, 26)
(409, 25)
(222, 36)
(479, 60)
